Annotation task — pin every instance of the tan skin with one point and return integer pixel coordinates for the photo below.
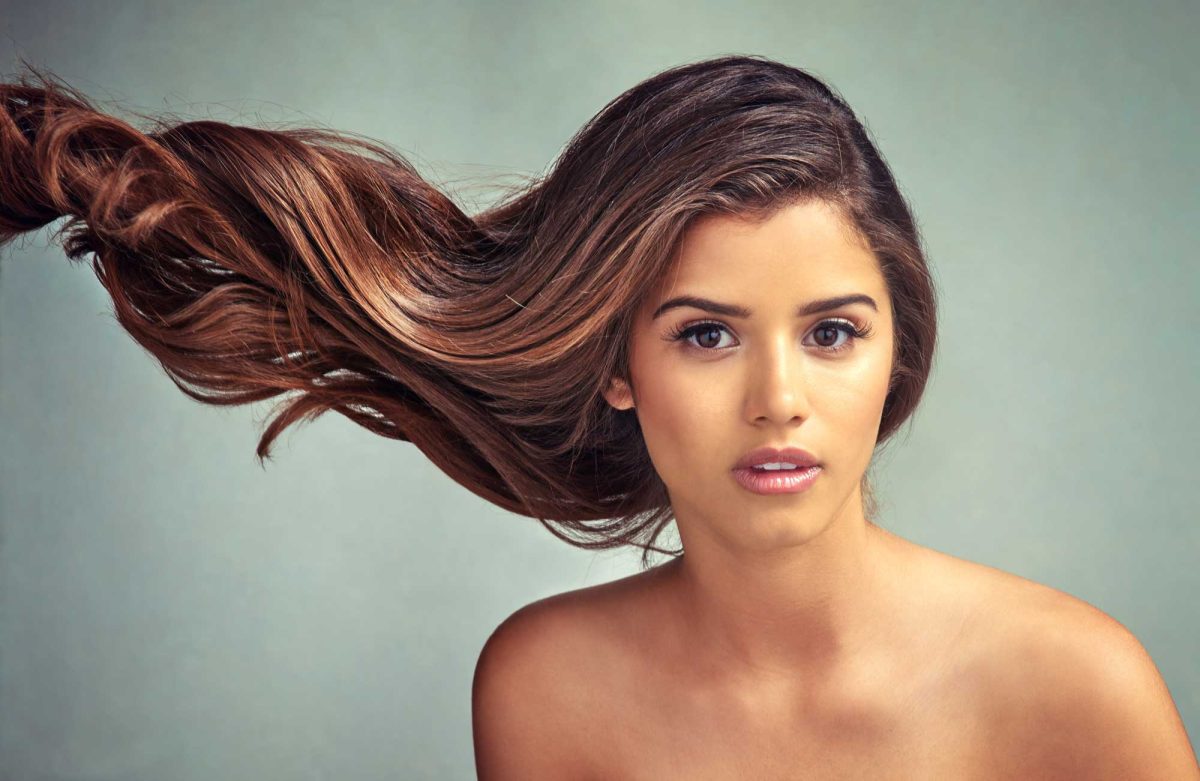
(795, 639)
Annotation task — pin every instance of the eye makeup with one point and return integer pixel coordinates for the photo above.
(685, 333)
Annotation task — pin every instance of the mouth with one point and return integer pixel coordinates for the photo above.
(770, 458)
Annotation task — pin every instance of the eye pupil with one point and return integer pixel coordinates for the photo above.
(710, 331)
(830, 330)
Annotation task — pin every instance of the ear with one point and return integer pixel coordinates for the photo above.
(619, 394)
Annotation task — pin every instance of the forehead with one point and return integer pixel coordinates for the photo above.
(805, 247)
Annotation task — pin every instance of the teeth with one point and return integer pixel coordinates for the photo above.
(775, 466)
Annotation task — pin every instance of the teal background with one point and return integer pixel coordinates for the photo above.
(169, 610)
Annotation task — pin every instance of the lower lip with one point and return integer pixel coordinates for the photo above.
(780, 481)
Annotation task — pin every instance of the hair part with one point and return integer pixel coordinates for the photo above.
(321, 267)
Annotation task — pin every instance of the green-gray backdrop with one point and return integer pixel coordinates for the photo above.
(172, 611)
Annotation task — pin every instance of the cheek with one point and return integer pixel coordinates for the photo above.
(854, 394)
(853, 409)
(849, 400)
(684, 417)
(681, 421)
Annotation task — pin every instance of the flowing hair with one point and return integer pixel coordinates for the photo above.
(321, 267)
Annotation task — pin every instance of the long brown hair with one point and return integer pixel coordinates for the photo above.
(254, 263)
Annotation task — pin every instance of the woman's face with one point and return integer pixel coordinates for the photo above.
(767, 378)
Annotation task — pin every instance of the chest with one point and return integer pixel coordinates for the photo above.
(933, 727)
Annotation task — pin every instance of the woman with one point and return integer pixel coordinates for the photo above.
(718, 281)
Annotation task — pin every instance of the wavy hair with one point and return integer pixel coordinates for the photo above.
(320, 266)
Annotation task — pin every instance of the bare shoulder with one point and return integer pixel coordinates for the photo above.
(1071, 692)
(538, 682)
(525, 701)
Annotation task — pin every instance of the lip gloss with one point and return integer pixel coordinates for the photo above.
(776, 481)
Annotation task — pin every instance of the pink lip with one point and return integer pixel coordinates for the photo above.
(777, 481)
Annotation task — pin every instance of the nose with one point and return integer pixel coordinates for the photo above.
(777, 390)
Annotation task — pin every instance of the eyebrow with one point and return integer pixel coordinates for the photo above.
(733, 310)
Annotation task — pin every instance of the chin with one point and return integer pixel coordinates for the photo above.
(797, 530)
(764, 530)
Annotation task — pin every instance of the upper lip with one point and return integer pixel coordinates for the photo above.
(767, 455)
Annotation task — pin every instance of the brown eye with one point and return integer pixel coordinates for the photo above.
(701, 336)
(827, 332)
(708, 336)
(826, 335)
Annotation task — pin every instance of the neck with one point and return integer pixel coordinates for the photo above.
(796, 612)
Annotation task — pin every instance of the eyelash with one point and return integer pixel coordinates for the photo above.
(687, 331)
